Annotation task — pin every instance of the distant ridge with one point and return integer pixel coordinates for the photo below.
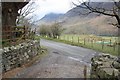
(51, 17)
(75, 22)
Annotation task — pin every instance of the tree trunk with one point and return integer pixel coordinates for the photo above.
(9, 14)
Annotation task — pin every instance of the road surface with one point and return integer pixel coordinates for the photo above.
(62, 61)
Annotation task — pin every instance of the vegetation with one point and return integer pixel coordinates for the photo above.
(25, 17)
(52, 31)
(43, 30)
(114, 12)
(86, 41)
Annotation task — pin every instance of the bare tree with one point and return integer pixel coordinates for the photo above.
(56, 30)
(114, 12)
(26, 14)
(44, 30)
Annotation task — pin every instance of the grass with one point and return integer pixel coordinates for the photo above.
(73, 40)
(37, 37)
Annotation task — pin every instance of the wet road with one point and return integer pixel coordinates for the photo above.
(77, 53)
(62, 61)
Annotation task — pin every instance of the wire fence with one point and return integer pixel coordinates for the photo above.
(105, 44)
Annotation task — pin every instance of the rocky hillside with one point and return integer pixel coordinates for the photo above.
(50, 18)
(76, 23)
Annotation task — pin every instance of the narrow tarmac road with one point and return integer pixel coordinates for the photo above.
(62, 61)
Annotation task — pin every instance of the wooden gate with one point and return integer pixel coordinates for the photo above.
(10, 35)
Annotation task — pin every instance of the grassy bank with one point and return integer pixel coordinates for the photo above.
(79, 41)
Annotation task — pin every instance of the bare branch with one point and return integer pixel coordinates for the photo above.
(97, 10)
(25, 13)
(112, 12)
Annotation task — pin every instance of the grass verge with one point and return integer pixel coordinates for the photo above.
(97, 47)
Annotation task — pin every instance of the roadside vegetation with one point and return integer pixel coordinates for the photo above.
(54, 30)
(99, 43)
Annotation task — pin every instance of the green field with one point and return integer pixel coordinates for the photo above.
(98, 43)
(88, 37)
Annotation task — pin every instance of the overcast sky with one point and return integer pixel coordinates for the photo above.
(44, 7)
(55, 6)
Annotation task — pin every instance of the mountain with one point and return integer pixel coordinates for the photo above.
(76, 23)
(49, 18)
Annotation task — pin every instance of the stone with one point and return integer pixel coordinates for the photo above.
(100, 59)
(101, 67)
(116, 65)
(15, 56)
(106, 55)
(27, 56)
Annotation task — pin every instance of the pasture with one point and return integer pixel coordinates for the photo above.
(100, 43)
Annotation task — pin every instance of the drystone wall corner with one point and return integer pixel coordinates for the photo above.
(102, 67)
(15, 56)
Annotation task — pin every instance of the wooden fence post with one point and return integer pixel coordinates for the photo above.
(85, 72)
(84, 41)
(110, 42)
(72, 39)
(114, 46)
(102, 44)
(78, 40)
(92, 42)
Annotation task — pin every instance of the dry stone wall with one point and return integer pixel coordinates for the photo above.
(15, 56)
(105, 66)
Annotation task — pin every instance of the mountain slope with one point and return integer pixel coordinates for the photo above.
(50, 18)
(76, 23)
